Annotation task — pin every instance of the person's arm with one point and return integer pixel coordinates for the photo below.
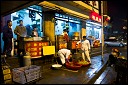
(67, 56)
(16, 31)
(89, 46)
(25, 31)
(5, 32)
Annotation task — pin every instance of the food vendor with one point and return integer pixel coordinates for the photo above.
(65, 35)
(85, 47)
(34, 32)
(64, 55)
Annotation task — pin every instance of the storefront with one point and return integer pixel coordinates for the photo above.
(71, 24)
(31, 16)
(93, 26)
(66, 22)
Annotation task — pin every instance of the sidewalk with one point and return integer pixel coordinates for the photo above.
(86, 75)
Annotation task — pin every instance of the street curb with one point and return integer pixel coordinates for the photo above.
(97, 73)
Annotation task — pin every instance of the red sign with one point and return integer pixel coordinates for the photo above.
(95, 16)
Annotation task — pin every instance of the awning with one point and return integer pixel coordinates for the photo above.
(8, 7)
(68, 11)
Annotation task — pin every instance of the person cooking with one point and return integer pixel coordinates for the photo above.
(64, 55)
(85, 47)
(34, 32)
(65, 35)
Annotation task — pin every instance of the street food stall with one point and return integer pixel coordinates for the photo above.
(60, 42)
(34, 45)
(74, 40)
(39, 47)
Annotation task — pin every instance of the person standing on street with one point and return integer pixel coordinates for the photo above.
(21, 32)
(7, 38)
(85, 47)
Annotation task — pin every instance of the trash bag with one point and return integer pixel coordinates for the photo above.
(121, 65)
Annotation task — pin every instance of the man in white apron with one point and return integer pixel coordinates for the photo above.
(85, 47)
(64, 55)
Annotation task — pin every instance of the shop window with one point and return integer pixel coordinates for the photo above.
(30, 16)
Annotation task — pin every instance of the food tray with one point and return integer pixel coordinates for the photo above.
(83, 63)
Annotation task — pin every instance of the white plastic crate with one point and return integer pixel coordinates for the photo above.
(26, 74)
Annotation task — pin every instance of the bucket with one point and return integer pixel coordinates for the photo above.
(27, 60)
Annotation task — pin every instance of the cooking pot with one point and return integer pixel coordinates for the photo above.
(56, 66)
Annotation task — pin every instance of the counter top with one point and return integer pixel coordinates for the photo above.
(34, 39)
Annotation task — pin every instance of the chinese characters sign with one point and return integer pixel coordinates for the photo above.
(94, 4)
(95, 16)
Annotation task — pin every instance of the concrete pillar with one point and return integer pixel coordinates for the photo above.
(83, 29)
(49, 26)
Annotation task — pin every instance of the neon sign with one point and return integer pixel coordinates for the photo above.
(95, 16)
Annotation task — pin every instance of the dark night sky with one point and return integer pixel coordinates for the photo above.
(118, 11)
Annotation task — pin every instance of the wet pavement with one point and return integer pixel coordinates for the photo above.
(85, 75)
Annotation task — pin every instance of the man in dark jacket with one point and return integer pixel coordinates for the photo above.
(113, 57)
(7, 38)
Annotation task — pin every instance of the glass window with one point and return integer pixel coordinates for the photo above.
(28, 22)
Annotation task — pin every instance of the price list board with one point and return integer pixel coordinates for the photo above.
(35, 48)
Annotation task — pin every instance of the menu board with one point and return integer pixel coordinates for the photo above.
(74, 45)
(35, 48)
(62, 44)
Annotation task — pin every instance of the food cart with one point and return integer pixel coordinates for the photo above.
(72, 43)
(34, 46)
(60, 42)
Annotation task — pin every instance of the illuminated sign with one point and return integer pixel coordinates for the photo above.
(95, 16)
(94, 4)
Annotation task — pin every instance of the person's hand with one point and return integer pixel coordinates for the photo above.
(69, 57)
(19, 34)
(67, 60)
